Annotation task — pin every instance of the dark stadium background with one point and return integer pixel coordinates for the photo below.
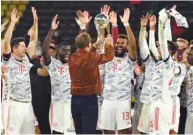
(68, 29)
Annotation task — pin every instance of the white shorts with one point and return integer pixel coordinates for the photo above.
(99, 116)
(115, 115)
(18, 117)
(189, 125)
(61, 118)
(175, 114)
(156, 118)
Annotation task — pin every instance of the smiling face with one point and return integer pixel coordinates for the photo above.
(120, 47)
(63, 53)
(20, 49)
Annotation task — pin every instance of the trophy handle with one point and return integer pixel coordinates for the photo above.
(102, 47)
(108, 29)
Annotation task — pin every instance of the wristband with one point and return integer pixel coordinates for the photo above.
(114, 25)
(82, 27)
(126, 24)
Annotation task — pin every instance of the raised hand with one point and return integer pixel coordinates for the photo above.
(42, 60)
(109, 39)
(113, 18)
(152, 22)
(35, 17)
(83, 18)
(144, 20)
(14, 17)
(126, 16)
(172, 8)
(105, 10)
(55, 23)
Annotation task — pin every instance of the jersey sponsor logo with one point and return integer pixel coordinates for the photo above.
(21, 68)
(61, 70)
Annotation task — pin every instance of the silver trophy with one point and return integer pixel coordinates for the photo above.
(101, 21)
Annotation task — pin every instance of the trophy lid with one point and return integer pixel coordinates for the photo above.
(101, 20)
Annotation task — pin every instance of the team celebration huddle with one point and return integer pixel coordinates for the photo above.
(118, 84)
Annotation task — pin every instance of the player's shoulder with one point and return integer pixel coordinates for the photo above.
(55, 61)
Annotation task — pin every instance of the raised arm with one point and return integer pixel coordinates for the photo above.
(152, 44)
(47, 41)
(162, 36)
(132, 42)
(143, 46)
(33, 33)
(168, 32)
(9, 32)
(83, 20)
(114, 30)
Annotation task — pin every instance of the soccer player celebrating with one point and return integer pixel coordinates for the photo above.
(115, 110)
(189, 90)
(61, 119)
(157, 103)
(18, 112)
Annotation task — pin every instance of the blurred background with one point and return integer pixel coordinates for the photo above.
(68, 29)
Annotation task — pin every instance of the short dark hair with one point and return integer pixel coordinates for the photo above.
(15, 42)
(58, 46)
(191, 41)
(61, 44)
(124, 37)
(172, 46)
(82, 40)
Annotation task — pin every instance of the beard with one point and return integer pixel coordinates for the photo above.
(120, 51)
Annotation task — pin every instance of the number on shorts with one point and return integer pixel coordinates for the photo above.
(125, 115)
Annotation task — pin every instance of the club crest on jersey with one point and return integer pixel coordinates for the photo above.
(119, 61)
